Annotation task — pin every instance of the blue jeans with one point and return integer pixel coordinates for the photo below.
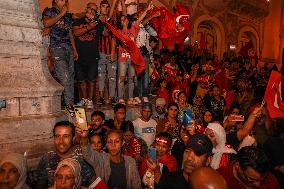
(64, 71)
(108, 69)
(126, 68)
(142, 86)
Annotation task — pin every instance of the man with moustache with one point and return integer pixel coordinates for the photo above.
(63, 133)
(198, 153)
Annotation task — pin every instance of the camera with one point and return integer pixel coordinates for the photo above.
(2, 103)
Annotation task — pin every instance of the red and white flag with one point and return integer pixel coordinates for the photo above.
(272, 96)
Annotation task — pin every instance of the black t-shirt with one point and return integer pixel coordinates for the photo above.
(173, 181)
(274, 149)
(177, 152)
(59, 32)
(87, 44)
(117, 178)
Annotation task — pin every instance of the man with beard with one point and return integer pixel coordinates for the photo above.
(197, 154)
(63, 133)
(251, 170)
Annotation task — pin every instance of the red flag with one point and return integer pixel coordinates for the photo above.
(273, 96)
(132, 49)
(172, 28)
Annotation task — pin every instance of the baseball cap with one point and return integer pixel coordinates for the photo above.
(200, 144)
(147, 105)
(160, 101)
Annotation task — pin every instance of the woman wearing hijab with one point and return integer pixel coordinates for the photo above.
(222, 153)
(13, 172)
(67, 176)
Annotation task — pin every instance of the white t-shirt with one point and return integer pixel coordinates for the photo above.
(145, 130)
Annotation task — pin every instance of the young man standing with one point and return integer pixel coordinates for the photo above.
(118, 117)
(107, 66)
(145, 126)
(87, 31)
(62, 46)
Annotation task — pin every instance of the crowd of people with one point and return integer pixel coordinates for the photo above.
(205, 126)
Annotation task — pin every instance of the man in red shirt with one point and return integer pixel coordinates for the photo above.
(251, 170)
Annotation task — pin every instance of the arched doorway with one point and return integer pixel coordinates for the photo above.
(210, 29)
(247, 34)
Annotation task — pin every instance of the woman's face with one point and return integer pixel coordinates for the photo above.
(172, 111)
(198, 101)
(207, 117)
(235, 111)
(96, 143)
(64, 178)
(128, 135)
(164, 83)
(9, 176)
(182, 98)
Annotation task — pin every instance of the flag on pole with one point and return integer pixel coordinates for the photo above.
(132, 49)
(272, 96)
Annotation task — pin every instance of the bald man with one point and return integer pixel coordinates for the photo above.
(207, 178)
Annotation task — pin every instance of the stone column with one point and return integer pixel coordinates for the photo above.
(33, 97)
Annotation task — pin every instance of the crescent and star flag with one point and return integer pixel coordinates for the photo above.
(172, 28)
(132, 49)
(272, 96)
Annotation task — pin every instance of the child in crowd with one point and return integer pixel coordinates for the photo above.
(96, 141)
(133, 146)
(163, 92)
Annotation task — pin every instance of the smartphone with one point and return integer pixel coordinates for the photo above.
(238, 118)
(81, 118)
(152, 153)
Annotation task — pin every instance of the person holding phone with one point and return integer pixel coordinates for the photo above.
(64, 134)
(164, 162)
(170, 123)
(223, 154)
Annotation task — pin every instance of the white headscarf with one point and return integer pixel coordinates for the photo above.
(221, 147)
(19, 161)
(74, 165)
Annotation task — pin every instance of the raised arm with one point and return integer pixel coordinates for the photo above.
(113, 5)
(124, 11)
(248, 126)
(49, 21)
(142, 16)
(145, 21)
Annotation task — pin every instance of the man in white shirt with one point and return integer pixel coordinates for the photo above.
(145, 126)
